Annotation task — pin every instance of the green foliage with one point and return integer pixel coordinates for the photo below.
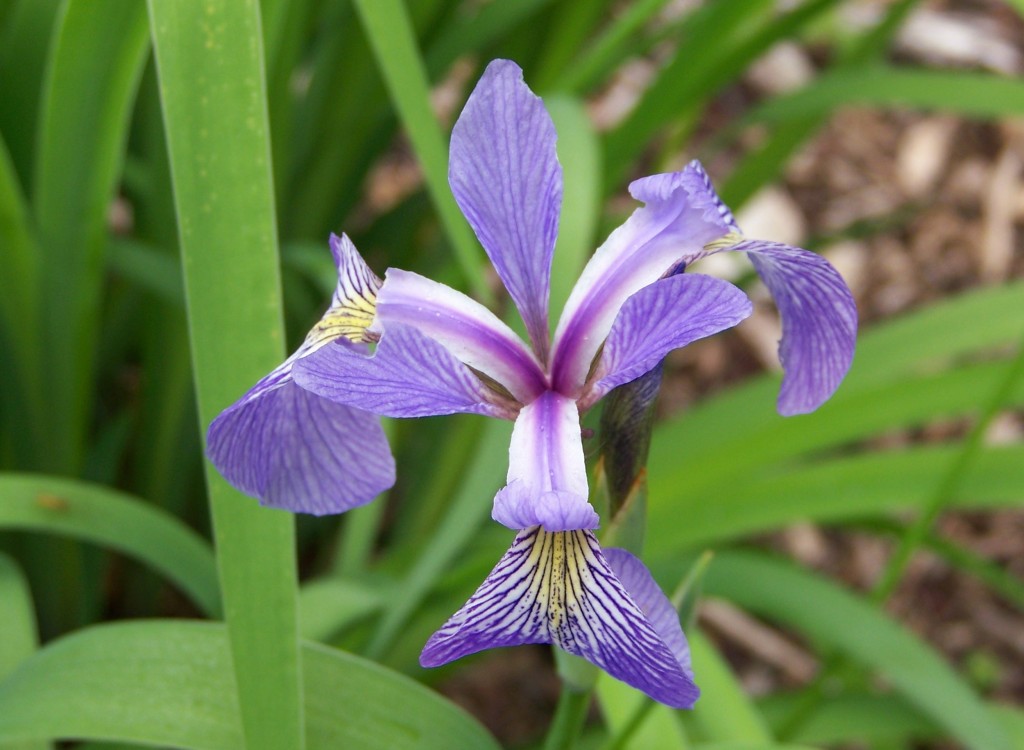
(170, 683)
(154, 157)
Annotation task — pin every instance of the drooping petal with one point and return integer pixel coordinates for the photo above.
(547, 478)
(819, 321)
(558, 588)
(648, 596)
(667, 315)
(297, 451)
(409, 375)
(354, 301)
(467, 329)
(680, 216)
(507, 180)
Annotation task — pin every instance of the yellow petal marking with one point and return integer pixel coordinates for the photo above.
(725, 242)
(352, 310)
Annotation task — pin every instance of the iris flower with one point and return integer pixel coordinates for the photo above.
(304, 438)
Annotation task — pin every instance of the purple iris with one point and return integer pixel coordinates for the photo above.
(304, 438)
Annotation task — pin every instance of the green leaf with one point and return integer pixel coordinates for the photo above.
(567, 28)
(104, 516)
(835, 619)
(750, 746)
(842, 489)
(902, 377)
(580, 155)
(763, 165)
(635, 721)
(608, 49)
(24, 48)
(853, 717)
(210, 67)
(724, 713)
(17, 621)
(153, 270)
(18, 638)
(394, 46)
(462, 521)
(719, 42)
(20, 333)
(328, 605)
(475, 28)
(973, 94)
(169, 683)
(93, 73)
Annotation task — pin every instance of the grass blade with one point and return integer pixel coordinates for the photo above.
(18, 639)
(971, 94)
(94, 70)
(465, 514)
(391, 36)
(169, 684)
(781, 591)
(210, 67)
(608, 48)
(724, 713)
(24, 47)
(763, 165)
(833, 491)
(20, 332)
(111, 519)
(580, 155)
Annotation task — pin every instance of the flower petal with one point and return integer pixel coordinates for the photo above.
(409, 375)
(547, 477)
(559, 588)
(467, 329)
(666, 315)
(648, 596)
(296, 451)
(507, 180)
(819, 322)
(682, 214)
(354, 301)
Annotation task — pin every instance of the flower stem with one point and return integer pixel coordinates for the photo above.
(568, 721)
(636, 720)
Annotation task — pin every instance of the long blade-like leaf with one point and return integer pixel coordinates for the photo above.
(170, 684)
(210, 67)
(390, 33)
(94, 70)
(832, 617)
(97, 514)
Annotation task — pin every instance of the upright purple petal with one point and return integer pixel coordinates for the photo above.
(682, 214)
(547, 478)
(467, 329)
(408, 376)
(297, 451)
(666, 315)
(819, 322)
(558, 588)
(507, 180)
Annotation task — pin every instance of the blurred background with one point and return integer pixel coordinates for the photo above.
(866, 586)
